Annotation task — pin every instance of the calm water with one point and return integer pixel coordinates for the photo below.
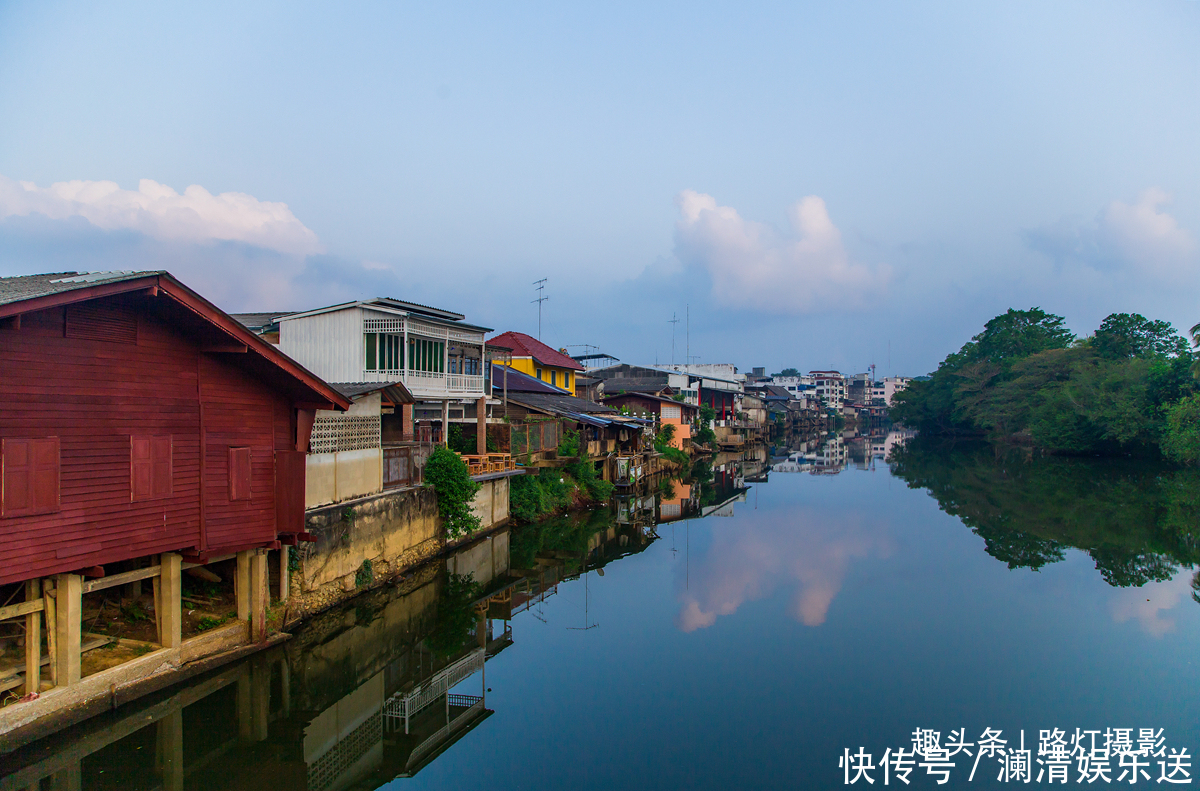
(838, 601)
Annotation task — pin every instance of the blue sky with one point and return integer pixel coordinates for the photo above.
(819, 182)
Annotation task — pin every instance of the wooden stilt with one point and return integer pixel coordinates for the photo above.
(33, 640)
(69, 627)
(51, 629)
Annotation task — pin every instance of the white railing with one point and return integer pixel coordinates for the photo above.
(446, 730)
(430, 383)
(403, 705)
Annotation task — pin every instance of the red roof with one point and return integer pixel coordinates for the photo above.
(523, 345)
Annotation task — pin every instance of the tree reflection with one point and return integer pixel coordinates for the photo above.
(1139, 522)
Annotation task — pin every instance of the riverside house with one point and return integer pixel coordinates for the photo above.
(531, 356)
(143, 432)
(434, 353)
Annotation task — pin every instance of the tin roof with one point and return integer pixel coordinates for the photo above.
(29, 293)
(524, 345)
(25, 287)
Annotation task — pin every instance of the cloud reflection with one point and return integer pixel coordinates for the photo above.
(1151, 602)
(753, 557)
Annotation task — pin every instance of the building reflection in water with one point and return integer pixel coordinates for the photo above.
(358, 697)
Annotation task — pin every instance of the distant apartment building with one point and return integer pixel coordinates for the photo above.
(893, 385)
(797, 386)
(830, 387)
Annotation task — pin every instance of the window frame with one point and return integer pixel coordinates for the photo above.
(158, 475)
(7, 450)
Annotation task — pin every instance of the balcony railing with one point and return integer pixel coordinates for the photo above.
(430, 383)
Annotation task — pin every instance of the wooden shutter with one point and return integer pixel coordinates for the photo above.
(289, 491)
(30, 476)
(239, 473)
(150, 467)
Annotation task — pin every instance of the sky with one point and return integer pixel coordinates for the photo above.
(806, 185)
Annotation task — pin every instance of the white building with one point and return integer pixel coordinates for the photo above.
(893, 385)
(797, 386)
(829, 386)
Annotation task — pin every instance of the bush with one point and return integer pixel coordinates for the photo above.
(365, 575)
(584, 473)
(666, 433)
(569, 444)
(677, 456)
(447, 473)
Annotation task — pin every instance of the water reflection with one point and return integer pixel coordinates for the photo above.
(386, 688)
(1138, 521)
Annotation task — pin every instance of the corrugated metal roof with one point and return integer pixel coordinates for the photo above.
(395, 392)
(519, 382)
(560, 404)
(523, 345)
(23, 287)
(256, 321)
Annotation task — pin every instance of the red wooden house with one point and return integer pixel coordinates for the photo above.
(137, 418)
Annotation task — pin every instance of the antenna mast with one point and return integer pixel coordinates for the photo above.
(673, 321)
(541, 284)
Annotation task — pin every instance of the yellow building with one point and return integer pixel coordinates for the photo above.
(531, 356)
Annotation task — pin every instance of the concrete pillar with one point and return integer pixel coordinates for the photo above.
(406, 420)
(260, 698)
(481, 426)
(170, 589)
(69, 627)
(285, 688)
(285, 573)
(446, 422)
(241, 585)
(33, 640)
(244, 706)
(259, 595)
(170, 750)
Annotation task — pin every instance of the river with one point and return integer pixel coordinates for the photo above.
(755, 628)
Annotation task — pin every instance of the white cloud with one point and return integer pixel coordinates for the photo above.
(161, 213)
(755, 266)
(1140, 238)
(1148, 237)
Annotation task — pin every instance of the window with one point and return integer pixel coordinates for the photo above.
(150, 471)
(29, 472)
(539, 376)
(567, 380)
(383, 352)
(554, 378)
(239, 473)
(426, 355)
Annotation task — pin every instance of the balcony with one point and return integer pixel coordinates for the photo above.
(430, 384)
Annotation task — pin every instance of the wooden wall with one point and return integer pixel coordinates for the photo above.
(88, 380)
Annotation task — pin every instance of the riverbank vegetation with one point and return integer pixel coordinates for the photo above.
(1128, 389)
(448, 474)
(533, 497)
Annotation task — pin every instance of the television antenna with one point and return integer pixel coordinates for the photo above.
(673, 321)
(541, 285)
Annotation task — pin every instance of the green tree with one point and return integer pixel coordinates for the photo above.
(1181, 438)
(788, 372)
(1017, 334)
(1125, 335)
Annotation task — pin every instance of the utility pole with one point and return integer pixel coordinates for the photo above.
(687, 334)
(541, 284)
(673, 321)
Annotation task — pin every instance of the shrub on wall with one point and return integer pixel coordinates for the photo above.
(447, 473)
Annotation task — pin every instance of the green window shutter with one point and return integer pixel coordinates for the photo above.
(370, 340)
